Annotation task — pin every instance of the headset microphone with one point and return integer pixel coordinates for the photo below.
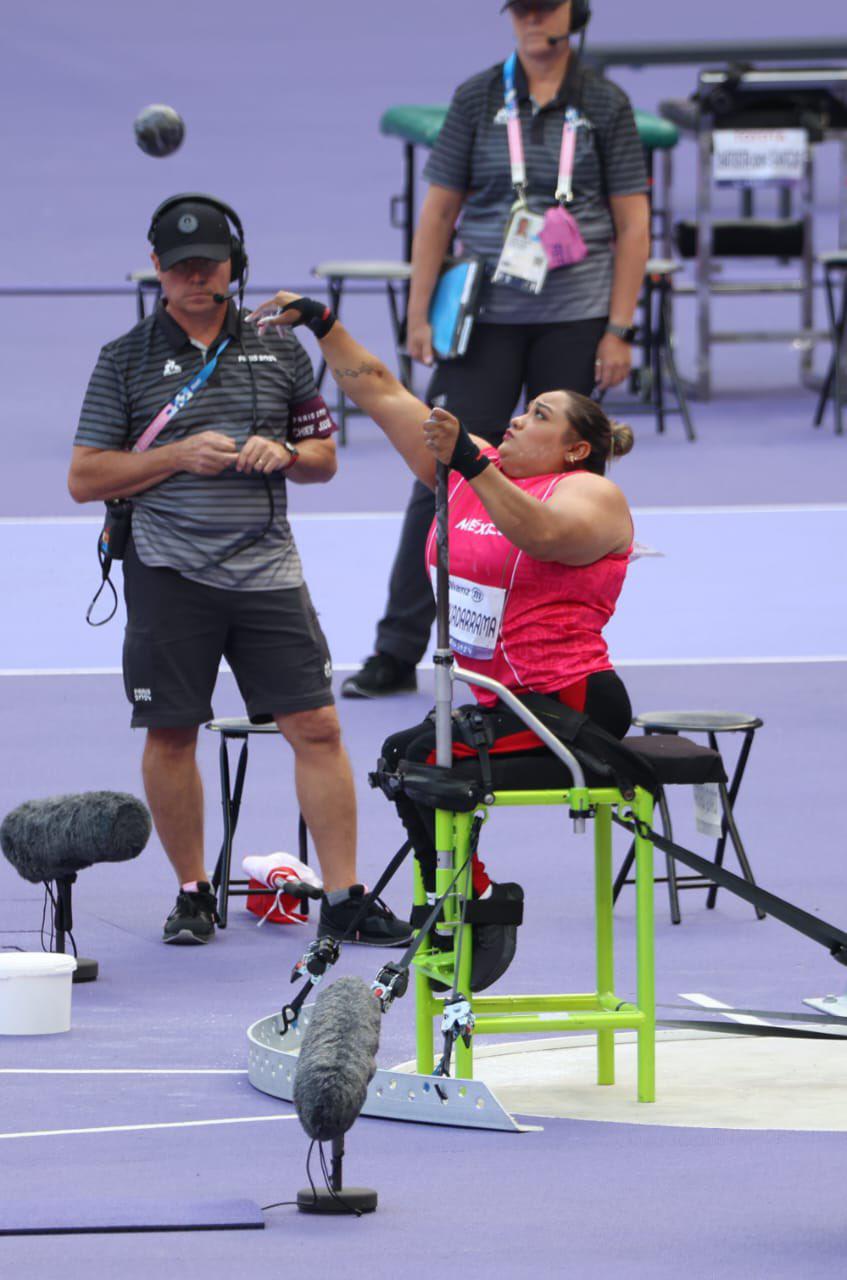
(223, 297)
(554, 40)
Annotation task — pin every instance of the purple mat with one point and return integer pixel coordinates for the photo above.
(59, 1216)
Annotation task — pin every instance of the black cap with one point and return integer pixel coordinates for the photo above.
(534, 4)
(191, 230)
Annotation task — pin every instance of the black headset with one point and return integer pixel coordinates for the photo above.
(239, 261)
(580, 14)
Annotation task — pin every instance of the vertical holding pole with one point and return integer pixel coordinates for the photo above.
(425, 1008)
(443, 653)
(643, 810)
(604, 934)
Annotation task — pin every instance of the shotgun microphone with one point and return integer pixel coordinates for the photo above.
(61, 835)
(337, 1062)
(337, 1059)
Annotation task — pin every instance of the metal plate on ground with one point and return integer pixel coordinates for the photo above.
(392, 1095)
(833, 1006)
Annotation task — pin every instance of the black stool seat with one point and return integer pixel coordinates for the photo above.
(696, 722)
(833, 258)
(677, 760)
(240, 726)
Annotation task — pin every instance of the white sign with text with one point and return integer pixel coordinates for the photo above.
(741, 157)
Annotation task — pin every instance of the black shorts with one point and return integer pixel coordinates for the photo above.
(177, 632)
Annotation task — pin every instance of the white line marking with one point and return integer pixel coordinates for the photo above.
(752, 509)
(121, 1071)
(784, 659)
(781, 660)
(137, 1128)
(707, 1002)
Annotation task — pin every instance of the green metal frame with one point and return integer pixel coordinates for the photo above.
(601, 1010)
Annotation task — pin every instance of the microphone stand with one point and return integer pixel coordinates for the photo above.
(336, 1198)
(63, 923)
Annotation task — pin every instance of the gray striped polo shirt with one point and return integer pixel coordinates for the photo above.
(471, 154)
(188, 522)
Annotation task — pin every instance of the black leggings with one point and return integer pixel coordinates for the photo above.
(606, 703)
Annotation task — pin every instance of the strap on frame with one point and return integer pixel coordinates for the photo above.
(826, 935)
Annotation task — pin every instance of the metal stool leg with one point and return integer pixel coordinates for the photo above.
(826, 388)
(303, 854)
(838, 353)
(673, 890)
(231, 804)
(729, 820)
(404, 363)
(621, 877)
(666, 353)
(728, 825)
(658, 385)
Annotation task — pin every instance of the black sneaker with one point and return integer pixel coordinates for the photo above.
(192, 921)
(494, 945)
(381, 676)
(379, 928)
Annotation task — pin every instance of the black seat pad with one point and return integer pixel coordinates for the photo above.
(677, 760)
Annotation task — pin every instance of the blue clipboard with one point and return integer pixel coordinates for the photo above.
(453, 307)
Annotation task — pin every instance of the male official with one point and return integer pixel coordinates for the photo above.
(202, 422)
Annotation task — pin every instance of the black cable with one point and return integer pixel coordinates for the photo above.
(349, 1208)
(105, 567)
(281, 1203)
(48, 893)
(48, 896)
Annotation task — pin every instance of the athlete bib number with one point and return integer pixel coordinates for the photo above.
(475, 616)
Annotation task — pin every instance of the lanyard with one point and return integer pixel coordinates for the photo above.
(179, 401)
(564, 186)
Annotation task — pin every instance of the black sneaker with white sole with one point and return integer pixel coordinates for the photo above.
(379, 928)
(192, 921)
(381, 676)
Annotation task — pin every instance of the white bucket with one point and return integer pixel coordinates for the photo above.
(35, 993)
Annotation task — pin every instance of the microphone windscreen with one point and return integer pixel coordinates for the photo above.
(57, 836)
(338, 1059)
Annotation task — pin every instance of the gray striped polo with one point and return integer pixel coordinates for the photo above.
(188, 522)
(471, 154)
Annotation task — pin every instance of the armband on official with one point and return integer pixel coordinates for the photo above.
(467, 458)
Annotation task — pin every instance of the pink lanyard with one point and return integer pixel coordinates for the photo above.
(564, 186)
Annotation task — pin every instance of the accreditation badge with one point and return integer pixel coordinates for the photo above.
(476, 613)
(523, 262)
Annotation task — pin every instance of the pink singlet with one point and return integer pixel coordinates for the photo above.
(530, 624)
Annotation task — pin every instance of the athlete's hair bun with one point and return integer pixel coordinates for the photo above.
(623, 439)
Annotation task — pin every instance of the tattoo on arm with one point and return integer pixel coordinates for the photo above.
(360, 371)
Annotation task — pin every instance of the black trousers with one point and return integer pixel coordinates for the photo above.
(483, 389)
(606, 703)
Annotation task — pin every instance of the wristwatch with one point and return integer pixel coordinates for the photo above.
(626, 332)
(293, 454)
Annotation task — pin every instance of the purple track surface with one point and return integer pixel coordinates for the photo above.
(282, 105)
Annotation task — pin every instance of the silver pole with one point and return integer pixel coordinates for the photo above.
(443, 652)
